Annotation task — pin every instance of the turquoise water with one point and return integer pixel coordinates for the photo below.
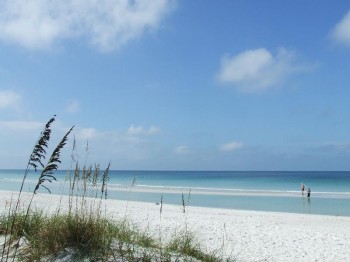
(278, 191)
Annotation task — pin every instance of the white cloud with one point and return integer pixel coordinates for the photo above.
(73, 107)
(117, 146)
(140, 130)
(135, 130)
(107, 24)
(86, 134)
(181, 150)
(9, 99)
(21, 125)
(231, 146)
(152, 130)
(341, 32)
(257, 70)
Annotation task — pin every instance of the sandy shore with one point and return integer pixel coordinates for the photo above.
(247, 235)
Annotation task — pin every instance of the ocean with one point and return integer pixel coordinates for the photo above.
(262, 191)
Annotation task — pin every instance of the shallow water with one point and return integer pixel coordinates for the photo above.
(263, 191)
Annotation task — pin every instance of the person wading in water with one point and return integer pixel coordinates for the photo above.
(302, 188)
(308, 192)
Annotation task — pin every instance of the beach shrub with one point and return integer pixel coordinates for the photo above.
(85, 238)
(83, 232)
(186, 244)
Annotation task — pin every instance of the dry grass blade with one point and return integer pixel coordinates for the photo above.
(52, 164)
(39, 151)
(183, 203)
(104, 182)
(161, 205)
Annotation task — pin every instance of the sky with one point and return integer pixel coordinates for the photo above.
(178, 84)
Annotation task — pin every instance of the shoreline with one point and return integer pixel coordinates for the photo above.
(290, 203)
(247, 235)
(227, 192)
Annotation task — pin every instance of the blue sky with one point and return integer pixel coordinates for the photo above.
(179, 85)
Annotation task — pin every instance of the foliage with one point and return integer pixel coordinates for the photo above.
(82, 231)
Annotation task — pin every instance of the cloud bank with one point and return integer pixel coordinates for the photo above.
(341, 32)
(231, 146)
(106, 24)
(73, 106)
(9, 99)
(140, 130)
(181, 150)
(21, 125)
(258, 69)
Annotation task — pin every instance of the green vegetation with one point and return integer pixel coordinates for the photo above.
(83, 232)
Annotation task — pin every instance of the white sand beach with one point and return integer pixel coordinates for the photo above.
(246, 235)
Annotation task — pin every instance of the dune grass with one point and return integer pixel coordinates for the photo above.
(84, 232)
(78, 237)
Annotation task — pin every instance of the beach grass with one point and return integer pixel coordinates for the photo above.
(51, 237)
(81, 229)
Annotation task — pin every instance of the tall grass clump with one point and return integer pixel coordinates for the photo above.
(86, 230)
(82, 230)
(36, 159)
